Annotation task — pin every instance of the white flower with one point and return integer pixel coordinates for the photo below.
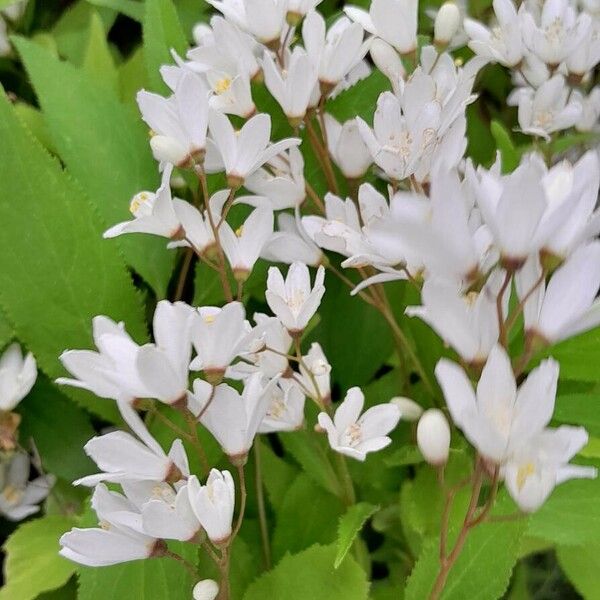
(586, 55)
(249, 149)
(315, 373)
(163, 366)
(292, 85)
(409, 409)
(394, 21)
(568, 305)
(293, 301)
(219, 335)
(281, 180)
(347, 147)
(504, 43)
(354, 435)
(153, 213)
(336, 52)
(231, 93)
(243, 247)
(388, 61)
(17, 376)
(299, 8)
(122, 457)
(500, 418)
(168, 514)
(213, 504)
(590, 110)
(291, 243)
(446, 24)
(468, 323)
(533, 472)
(207, 589)
(433, 437)
(118, 539)
(20, 497)
(178, 122)
(286, 408)
(548, 109)
(233, 418)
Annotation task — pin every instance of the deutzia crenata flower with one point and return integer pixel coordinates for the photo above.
(504, 42)
(335, 52)
(122, 457)
(207, 589)
(568, 305)
(558, 32)
(297, 9)
(17, 376)
(356, 435)
(119, 537)
(213, 504)
(532, 473)
(168, 514)
(433, 437)
(163, 366)
(394, 21)
(586, 54)
(233, 418)
(409, 409)
(291, 86)
(446, 24)
(468, 323)
(291, 243)
(293, 300)
(590, 110)
(219, 335)
(263, 19)
(548, 109)
(315, 372)
(388, 61)
(347, 147)
(499, 419)
(243, 246)
(20, 497)
(281, 180)
(178, 123)
(286, 408)
(153, 213)
(249, 149)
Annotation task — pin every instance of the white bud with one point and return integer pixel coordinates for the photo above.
(202, 33)
(446, 24)
(409, 409)
(167, 149)
(433, 437)
(387, 60)
(207, 589)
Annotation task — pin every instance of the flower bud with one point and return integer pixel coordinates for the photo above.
(409, 409)
(167, 149)
(207, 589)
(387, 60)
(446, 24)
(433, 437)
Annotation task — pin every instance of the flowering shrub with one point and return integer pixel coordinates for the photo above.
(345, 344)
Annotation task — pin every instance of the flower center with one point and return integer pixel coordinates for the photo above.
(222, 85)
(352, 436)
(525, 471)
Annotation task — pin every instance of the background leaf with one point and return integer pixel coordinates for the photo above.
(349, 526)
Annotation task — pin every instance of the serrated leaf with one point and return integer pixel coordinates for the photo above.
(105, 147)
(349, 526)
(581, 564)
(97, 60)
(510, 155)
(310, 574)
(33, 564)
(162, 33)
(130, 8)
(34, 119)
(56, 273)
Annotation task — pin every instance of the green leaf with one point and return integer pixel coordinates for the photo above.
(571, 516)
(581, 564)
(277, 474)
(360, 100)
(34, 119)
(407, 455)
(6, 331)
(56, 272)
(39, 411)
(132, 77)
(130, 8)
(33, 564)
(510, 155)
(349, 526)
(98, 61)
(320, 512)
(482, 570)
(162, 32)
(578, 356)
(155, 579)
(310, 574)
(579, 409)
(105, 147)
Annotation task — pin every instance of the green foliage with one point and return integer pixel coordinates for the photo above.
(33, 564)
(50, 246)
(277, 474)
(105, 147)
(311, 574)
(581, 564)
(579, 409)
(510, 154)
(98, 61)
(361, 99)
(578, 356)
(350, 524)
(131, 8)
